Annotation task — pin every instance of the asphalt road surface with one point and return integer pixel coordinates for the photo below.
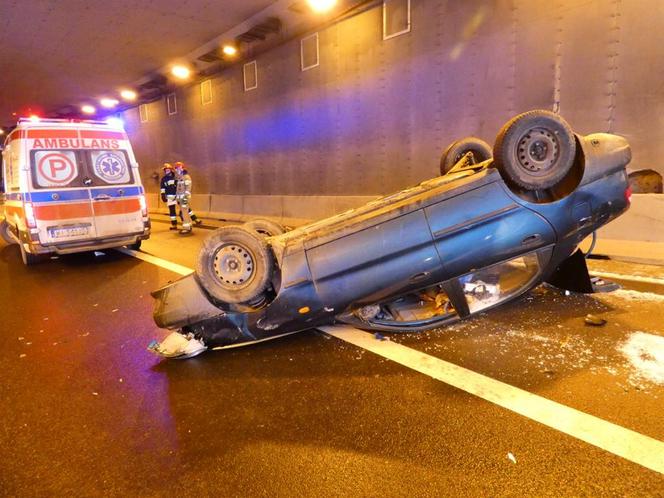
(86, 410)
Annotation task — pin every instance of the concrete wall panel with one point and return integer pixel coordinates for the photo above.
(376, 114)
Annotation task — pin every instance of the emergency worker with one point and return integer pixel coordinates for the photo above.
(183, 195)
(168, 193)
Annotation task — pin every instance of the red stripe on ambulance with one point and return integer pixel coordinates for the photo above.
(106, 208)
(63, 211)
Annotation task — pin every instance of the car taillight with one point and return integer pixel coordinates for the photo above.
(29, 215)
(144, 206)
(628, 194)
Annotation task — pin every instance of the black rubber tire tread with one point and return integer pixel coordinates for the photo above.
(4, 233)
(265, 227)
(29, 259)
(251, 241)
(480, 149)
(507, 142)
(136, 246)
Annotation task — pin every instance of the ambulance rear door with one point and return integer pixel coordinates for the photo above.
(59, 196)
(115, 191)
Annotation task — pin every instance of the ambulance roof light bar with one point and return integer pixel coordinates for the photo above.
(62, 120)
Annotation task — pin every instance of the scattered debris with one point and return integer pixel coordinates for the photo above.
(568, 293)
(120, 380)
(379, 336)
(95, 393)
(95, 305)
(511, 457)
(21, 338)
(22, 355)
(646, 354)
(594, 320)
(114, 310)
(45, 318)
(177, 345)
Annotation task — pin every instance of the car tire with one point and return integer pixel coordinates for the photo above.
(480, 149)
(235, 265)
(5, 233)
(535, 150)
(136, 246)
(29, 259)
(265, 227)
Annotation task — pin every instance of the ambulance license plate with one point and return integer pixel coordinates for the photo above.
(68, 231)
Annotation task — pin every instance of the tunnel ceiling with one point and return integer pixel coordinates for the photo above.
(60, 53)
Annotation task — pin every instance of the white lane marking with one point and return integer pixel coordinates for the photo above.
(632, 278)
(174, 267)
(613, 438)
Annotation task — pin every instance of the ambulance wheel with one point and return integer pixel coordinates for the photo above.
(5, 233)
(235, 265)
(136, 246)
(453, 154)
(535, 150)
(265, 227)
(28, 258)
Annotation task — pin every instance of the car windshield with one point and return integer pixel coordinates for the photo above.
(494, 284)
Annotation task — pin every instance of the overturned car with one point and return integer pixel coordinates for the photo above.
(493, 226)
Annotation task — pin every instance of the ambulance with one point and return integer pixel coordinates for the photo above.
(71, 186)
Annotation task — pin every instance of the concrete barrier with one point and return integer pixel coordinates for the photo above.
(285, 209)
(637, 235)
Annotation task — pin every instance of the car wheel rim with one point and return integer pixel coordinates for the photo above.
(233, 265)
(538, 151)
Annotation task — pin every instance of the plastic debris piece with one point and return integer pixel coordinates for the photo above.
(511, 457)
(21, 338)
(22, 355)
(114, 310)
(177, 345)
(594, 320)
(379, 336)
(94, 393)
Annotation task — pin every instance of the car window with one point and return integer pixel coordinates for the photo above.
(55, 168)
(494, 284)
(110, 167)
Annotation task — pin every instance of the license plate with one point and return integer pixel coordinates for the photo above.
(68, 232)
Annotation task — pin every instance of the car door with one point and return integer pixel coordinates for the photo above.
(482, 226)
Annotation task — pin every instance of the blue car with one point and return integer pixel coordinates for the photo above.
(495, 224)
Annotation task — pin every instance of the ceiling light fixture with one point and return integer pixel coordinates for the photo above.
(108, 103)
(321, 6)
(181, 72)
(229, 50)
(128, 94)
(88, 109)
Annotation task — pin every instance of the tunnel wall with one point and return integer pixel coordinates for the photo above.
(376, 114)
